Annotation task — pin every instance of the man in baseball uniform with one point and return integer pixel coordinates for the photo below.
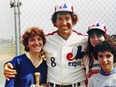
(65, 50)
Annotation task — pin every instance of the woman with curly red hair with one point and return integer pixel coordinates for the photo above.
(30, 62)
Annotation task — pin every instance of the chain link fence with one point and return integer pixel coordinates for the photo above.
(39, 12)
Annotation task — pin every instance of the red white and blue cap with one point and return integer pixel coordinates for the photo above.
(96, 26)
(67, 7)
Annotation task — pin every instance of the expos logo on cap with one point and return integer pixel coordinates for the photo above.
(64, 7)
(98, 26)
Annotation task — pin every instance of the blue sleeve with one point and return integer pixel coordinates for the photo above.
(16, 65)
(9, 83)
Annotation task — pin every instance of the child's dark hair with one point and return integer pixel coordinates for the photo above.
(107, 45)
(73, 16)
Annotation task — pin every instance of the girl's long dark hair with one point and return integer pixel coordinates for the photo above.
(90, 48)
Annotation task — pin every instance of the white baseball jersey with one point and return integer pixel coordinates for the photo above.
(99, 80)
(65, 58)
(94, 67)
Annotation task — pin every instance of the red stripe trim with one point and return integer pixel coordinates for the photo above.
(79, 33)
(72, 31)
(51, 33)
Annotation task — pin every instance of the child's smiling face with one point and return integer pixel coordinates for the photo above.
(106, 60)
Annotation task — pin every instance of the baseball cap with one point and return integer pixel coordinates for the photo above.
(64, 7)
(96, 26)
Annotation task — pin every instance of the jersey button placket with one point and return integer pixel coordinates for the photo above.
(64, 62)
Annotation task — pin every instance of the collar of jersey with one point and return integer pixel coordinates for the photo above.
(28, 56)
(107, 74)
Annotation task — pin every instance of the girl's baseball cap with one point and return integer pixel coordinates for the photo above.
(96, 26)
(64, 7)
